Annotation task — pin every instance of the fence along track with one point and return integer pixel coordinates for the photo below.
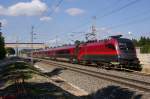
(137, 84)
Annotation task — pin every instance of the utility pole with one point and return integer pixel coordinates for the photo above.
(0, 28)
(17, 46)
(130, 35)
(92, 35)
(94, 26)
(32, 34)
(71, 38)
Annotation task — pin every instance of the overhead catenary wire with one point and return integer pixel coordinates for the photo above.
(127, 23)
(104, 15)
(85, 24)
(146, 12)
(52, 11)
(130, 23)
(109, 13)
(120, 8)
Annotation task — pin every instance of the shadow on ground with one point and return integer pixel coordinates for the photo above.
(113, 92)
(50, 91)
(37, 91)
(54, 72)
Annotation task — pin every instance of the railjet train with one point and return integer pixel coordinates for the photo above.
(112, 52)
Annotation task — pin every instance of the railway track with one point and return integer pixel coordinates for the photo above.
(132, 83)
(113, 68)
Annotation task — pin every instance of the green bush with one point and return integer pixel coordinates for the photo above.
(145, 49)
(143, 43)
(10, 51)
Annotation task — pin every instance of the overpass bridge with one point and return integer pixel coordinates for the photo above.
(26, 45)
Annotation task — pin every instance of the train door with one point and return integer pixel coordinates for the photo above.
(74, 59)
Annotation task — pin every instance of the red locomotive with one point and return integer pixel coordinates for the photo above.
(114, 51)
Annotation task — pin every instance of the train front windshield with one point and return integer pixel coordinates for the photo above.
(126, 45)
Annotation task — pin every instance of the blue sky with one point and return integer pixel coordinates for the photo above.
(72, 17)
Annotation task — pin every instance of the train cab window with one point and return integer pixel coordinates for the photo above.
(126, 46)
(110, 46)
(122, 46)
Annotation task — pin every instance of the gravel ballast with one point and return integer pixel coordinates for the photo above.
(113, 72)
(94, 85)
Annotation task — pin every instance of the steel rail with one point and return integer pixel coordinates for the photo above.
(113, 68)
(137, 84)
(125, 69)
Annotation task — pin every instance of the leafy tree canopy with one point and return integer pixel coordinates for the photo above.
(10, 51)
(2, 47)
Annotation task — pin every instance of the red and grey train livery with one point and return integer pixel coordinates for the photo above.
(114, 51)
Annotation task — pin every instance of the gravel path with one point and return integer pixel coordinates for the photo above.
(98, 86)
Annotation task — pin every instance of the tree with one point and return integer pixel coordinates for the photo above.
(10, 51)
(144, 43)
(77, 42)
(145, 49)
(18, 73)
(2, 47)
(135, 42)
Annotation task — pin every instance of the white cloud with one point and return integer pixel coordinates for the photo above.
(2, 10)
(4, 22)
(45, 18)
(35, 7)
(74, 11)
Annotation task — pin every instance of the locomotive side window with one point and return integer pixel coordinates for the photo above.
(122, 46)
(110, 46)
(63, 52)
